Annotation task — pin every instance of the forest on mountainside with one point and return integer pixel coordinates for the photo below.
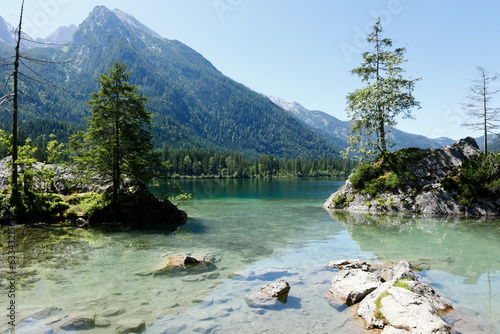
(195, 163)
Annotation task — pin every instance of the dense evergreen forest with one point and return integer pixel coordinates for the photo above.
(195, 163)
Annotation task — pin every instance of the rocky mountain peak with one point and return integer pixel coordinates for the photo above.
(288, 106)
(7, 32)
(129, 19)
(103, 27)
(62, 35)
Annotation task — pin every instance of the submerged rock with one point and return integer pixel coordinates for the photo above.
(127, 326)
(269, 295)
(79, 322)
(173, 263)
(113, 312)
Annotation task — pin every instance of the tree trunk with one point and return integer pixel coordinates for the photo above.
(116, 162)
(381, 130)
(16, 195)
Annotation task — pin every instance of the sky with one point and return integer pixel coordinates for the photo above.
(304, 50)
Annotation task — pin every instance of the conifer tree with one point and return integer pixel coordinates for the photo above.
(373, 108)
(118, 137)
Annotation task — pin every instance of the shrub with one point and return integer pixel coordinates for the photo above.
(363, 175)
(340, 201)
(478, 177)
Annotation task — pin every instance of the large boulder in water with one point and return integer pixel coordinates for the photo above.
(417, 181)
(137, 207)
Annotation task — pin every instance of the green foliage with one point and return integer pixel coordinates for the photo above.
(390, 171)
(118, 141)
(55, 150)
(85, 204)
(194, 104)
(5, 146)
(378, 307)
(364, 175)
(373, 109)
(403, 283)
(477, 178)
(232, 165)
(340, 201)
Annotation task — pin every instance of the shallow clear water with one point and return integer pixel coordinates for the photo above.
(258, 231)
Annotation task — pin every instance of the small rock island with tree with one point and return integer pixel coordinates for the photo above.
(111, 163)
(456, 179)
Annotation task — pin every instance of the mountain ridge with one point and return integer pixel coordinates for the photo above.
(337, 131)
(194, 104)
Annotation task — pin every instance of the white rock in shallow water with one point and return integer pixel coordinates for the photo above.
(351, 286)
(404, 302)
(350, 264)
(403, 308)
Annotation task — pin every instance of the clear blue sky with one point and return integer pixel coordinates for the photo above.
(303, 50)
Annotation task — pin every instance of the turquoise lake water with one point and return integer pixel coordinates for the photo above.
(258, 231)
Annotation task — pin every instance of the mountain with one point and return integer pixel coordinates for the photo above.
(194, 104)
(328, 127)
(336, 131)
(493, 143)
(62, 35)
(7, 32)
(8, 35)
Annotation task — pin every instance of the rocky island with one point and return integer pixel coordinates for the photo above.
(454, 180)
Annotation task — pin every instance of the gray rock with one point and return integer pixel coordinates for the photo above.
(126, 326)
(402, 271)
(79, 322)
(102, 322)
(113, 312)
(269, 295)
(278, 290)
(182, 264)
(425, 290)
(403, 308)
(405, 303)
(351, 286)
(44, 313)
(426, 194)
(392, 330)
(350, 264)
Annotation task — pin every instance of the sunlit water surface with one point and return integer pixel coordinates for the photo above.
(258, 231)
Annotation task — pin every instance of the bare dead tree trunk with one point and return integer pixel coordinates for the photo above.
(16, 196)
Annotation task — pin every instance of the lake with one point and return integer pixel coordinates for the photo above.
(257, 231)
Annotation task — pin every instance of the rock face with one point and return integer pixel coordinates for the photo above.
(425, 194)
(398, 303)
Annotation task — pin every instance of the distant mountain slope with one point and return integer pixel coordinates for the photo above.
(62, 35)
(7, 32)
(493, 143)
(194, 105)
(337, 131)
